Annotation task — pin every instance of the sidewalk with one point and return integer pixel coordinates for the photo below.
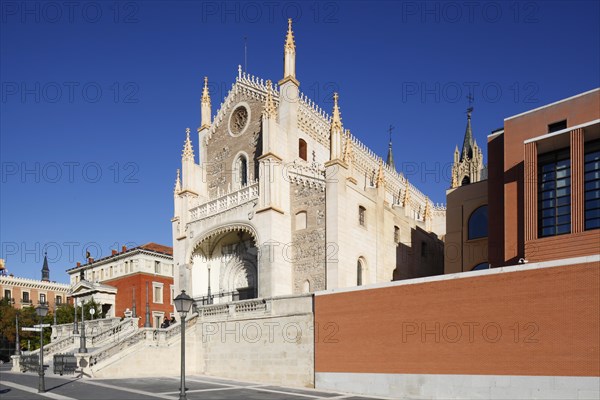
(15, 386)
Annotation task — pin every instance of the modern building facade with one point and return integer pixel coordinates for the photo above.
(542, 193)
(23, 292)
(137, 280)
(285, 200)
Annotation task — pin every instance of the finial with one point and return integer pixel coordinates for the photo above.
(289, 39)
(380, 179)
(336, 118)
(406, 195)
(178, 182)
(188, 150)
(427, 213)
(270, 110)
(205, 94)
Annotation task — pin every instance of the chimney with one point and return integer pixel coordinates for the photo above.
(78, 264)
(123, 249)
(114, 252)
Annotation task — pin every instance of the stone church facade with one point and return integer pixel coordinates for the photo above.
(285, 200)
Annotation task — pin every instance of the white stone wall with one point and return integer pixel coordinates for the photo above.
(423, 386)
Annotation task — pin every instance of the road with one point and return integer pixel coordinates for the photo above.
(14, 386)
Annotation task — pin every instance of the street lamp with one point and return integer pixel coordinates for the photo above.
(17, 342)
(41, 311)
(82, 348)
(75, 326)
(183, 303)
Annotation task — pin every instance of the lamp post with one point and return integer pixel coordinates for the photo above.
(133, 310)
(82, 348)
(17, 341)
(75, 326)
(147, 324)
(41, 311)
(183, 303)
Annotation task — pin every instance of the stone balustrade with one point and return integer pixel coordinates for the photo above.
(225, 202)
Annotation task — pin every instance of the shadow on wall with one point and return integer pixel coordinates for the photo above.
(423, 256)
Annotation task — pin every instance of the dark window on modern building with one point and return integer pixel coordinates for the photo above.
(592, 185)
(478, 223)
(361, 215)
(481, 266)
(554, 193)
(302, 149)
(423, 249)
(557, 126)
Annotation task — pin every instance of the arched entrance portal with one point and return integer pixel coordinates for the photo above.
(224, 267)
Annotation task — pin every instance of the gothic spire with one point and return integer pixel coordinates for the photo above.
(270, 109)
(45, 269)
(205, 108)
(188, 150)
(335, 132)
(390, 157)
(289, 57)
(467, 149)
(336, 117)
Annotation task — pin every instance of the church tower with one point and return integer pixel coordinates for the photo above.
(468, 163)
(45, 269)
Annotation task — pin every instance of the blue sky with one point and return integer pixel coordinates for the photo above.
(96, 96)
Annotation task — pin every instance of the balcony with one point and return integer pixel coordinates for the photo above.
(27, 302)
(225, 202)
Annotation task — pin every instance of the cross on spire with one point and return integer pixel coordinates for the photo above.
(390, 157)
(471, 101)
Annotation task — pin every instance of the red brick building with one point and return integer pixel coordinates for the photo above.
(542, 192)
(141, 275)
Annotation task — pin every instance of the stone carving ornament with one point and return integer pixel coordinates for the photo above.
(239, 119)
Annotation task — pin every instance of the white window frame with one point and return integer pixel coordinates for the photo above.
(159, 285)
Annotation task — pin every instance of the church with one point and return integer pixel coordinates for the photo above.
(281, 199)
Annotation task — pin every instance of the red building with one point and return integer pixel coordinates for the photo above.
(142, 277)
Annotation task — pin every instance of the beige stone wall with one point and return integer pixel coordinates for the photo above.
(274, 346)
(308, 248)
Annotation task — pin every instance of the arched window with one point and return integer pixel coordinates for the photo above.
(302, 149)
(241, 167)
(483, 265)
(478, 223)
(360, 271)
(466, 180)
(301, 220)
(306, 286)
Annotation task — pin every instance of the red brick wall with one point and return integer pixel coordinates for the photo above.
(549, 320)
(124, 298)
